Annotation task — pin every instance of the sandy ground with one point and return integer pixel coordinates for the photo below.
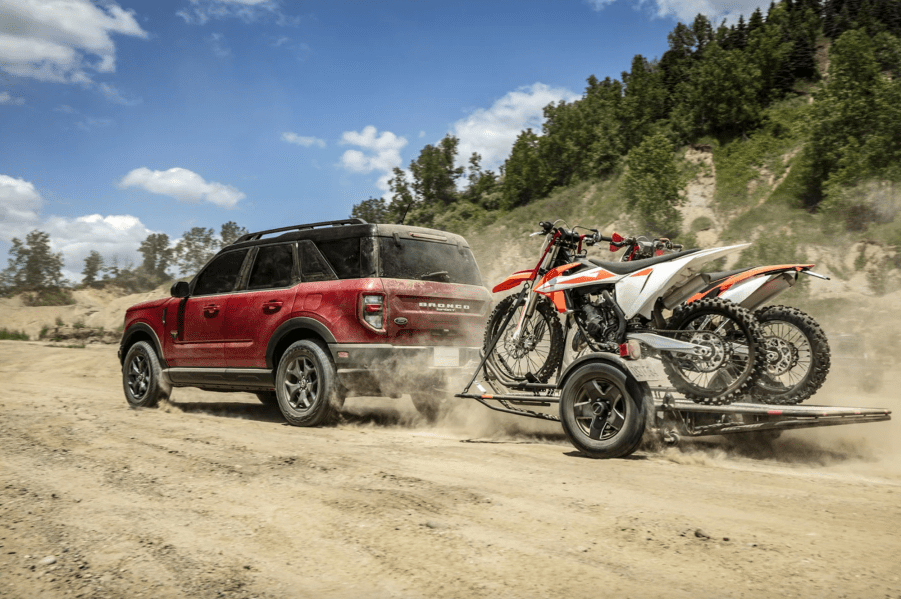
(213, 495)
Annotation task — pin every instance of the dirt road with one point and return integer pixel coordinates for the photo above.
(213, 496)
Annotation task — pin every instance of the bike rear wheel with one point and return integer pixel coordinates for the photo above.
(735, 357)
(797, 356)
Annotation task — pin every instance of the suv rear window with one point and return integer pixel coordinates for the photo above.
(427, 261)
(343, 255)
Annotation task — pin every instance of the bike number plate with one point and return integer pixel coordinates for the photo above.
(647, 370)
(446, 357)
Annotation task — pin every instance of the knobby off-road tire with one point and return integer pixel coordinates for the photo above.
(540, 349)
(603, 415)
(797, 356)
(141, 376)
(306, 384)
(738, 359)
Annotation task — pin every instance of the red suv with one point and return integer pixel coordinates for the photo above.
(303, 316)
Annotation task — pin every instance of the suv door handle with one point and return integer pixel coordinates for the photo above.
(210, 310)
(272, 306)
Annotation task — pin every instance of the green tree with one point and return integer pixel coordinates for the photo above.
(33, 266)
(523, 177)
(373, 210)
(194, 249)
(722, 93)
(845, 116)
(230, 232)
(93, 266)
(157, 255)
(481, 183)
(433, 187)
(651, 186)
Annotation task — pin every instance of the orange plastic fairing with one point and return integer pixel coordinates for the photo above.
(513, 280)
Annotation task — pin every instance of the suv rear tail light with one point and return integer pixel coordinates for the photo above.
(373, 312)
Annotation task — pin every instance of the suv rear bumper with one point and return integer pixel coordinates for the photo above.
(350, 357)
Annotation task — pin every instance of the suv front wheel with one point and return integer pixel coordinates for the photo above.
(141, 376)
(305, 384)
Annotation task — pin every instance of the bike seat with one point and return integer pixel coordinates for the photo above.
(624, 268)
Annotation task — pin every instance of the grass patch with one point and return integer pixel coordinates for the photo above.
(702, 223)
(59, 322)
(48, 297)
(10, 335)
(739, 161)
(78, 324)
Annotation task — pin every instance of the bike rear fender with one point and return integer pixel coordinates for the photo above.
(721, 287)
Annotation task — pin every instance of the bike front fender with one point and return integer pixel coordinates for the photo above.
(514, 280)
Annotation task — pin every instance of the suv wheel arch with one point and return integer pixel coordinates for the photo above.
(295, 329)
(141, 331)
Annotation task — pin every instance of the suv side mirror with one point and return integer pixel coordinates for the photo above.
(180, 289)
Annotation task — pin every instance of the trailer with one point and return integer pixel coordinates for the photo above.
(667, 415)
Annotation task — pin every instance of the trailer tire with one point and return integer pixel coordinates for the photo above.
(603, 413)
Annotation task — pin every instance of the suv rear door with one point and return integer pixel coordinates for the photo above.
(257, 310)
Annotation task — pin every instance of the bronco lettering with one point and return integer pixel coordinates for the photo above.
(444, 307)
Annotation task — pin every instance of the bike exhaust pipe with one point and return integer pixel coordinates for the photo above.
(771, 288)
(683, 292)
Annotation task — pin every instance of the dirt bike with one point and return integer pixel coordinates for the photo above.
(797, 350)
(711, 349)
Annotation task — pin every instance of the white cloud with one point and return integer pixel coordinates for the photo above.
(217, 43)
(113, 235)
(183, 185)
(61, 40)
(6, 98)
(382, 150)
(201, 11)
(687, 10)
(491, 132)
(114, 95)
(302, 140)
(20, 203)
(91, 123)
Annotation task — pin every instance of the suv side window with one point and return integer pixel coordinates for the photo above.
(221, 275)
(343, 255)
(313, 267)
(273, 267)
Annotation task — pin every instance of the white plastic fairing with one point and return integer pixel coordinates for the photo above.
(638, 292)
(740, 292)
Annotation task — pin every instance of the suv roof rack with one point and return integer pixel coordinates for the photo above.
(327, 223)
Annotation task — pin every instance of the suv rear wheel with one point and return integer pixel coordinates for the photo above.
(305, 384)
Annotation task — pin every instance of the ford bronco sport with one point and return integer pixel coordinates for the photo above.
(303, 316)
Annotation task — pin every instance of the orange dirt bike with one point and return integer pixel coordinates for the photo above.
(797, 351)
(712, 349)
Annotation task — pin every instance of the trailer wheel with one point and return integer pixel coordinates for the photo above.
(601, 416)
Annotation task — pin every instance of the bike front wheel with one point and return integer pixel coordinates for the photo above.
(538, 350)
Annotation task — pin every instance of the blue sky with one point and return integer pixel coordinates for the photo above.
(118, 119)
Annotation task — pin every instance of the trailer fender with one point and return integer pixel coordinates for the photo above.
(616, 367)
